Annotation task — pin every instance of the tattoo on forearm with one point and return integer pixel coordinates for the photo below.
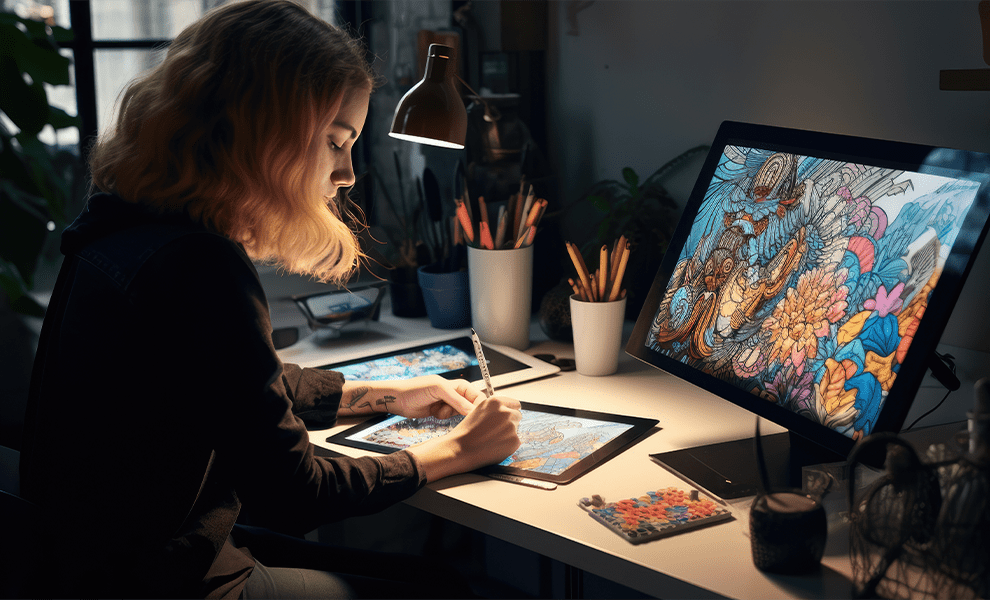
(357, 401)
(356, 397)
(384, 402)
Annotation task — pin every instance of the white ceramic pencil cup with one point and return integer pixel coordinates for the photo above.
(501, 283)
(597, 330)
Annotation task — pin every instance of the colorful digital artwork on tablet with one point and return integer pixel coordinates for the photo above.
(803, 280)
(439, 359)
(550, 443)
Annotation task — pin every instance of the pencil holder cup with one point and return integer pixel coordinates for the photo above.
(501, 284)
(787, 531)
(447, 297)
(597, 328)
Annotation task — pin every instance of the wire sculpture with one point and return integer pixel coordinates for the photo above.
(921, 527)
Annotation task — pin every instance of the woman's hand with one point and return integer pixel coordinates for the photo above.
(486, 436)
(426, 396)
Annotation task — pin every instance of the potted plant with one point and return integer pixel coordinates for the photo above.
(39, 182)
(644, 212)
(417, 235)
(40, 189)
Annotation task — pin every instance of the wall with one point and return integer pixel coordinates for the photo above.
(635, 83)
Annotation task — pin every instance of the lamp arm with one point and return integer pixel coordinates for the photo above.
(488, 111)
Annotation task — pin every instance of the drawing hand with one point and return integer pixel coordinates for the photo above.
(486, 436)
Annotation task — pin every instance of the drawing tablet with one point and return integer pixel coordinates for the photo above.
(451, 359)
(558, 444)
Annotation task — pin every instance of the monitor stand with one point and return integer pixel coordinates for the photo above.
(729, 469)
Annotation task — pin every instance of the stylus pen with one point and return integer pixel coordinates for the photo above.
(483, 364)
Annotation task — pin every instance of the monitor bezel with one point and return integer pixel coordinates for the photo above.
(881, 153)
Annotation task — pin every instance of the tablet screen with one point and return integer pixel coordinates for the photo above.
(452, 358)
(442, 358)
(557, 444)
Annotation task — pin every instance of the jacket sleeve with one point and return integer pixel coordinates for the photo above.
(245, 401)
(315, 394)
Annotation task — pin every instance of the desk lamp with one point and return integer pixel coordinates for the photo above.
(432, 112)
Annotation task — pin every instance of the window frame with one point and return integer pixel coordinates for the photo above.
(84, 49)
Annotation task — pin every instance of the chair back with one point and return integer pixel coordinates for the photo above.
(20, 546)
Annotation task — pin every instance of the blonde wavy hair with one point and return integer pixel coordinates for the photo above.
(227, 129)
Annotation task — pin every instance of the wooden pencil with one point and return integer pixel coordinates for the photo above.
(524, 213)
(576, 288)
(582, 270)
(603, 272)
(620, 272)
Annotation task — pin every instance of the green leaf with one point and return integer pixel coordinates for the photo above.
(603, 231)
(22, 230)
(631, 178)
(25, 105)
(59, 119)
(16, 290)
(600, 203)
(61, 35)
(35, 51)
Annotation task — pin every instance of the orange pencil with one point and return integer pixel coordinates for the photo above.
(458, 231)
(465, 219)
(486, 236)
(483, 209)
(534, 211)
(543, 209)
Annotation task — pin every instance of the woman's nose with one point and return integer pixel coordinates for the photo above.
(343, 173)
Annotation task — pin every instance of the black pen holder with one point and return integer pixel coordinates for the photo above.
(788, 531)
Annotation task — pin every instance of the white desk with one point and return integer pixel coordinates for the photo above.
(714, 561)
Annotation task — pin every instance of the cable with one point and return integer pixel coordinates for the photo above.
(933, 409)
(946, 358)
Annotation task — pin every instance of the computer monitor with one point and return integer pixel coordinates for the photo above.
(808, 281)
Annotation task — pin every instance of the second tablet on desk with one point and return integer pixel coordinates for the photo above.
(453, 358)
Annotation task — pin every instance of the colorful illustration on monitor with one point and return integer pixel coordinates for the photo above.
(803, 279)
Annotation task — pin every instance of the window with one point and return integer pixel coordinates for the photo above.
(115, 40)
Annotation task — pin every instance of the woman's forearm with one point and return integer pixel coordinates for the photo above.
(365, 398)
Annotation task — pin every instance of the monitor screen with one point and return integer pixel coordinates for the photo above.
(811, 274)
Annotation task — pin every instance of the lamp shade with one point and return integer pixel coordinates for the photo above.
(432, 112)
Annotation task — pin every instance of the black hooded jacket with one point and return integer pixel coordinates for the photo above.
(159, 408)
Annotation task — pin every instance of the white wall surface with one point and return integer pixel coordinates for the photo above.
(642, 81)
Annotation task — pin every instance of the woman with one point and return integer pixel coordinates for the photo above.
(159, 411)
